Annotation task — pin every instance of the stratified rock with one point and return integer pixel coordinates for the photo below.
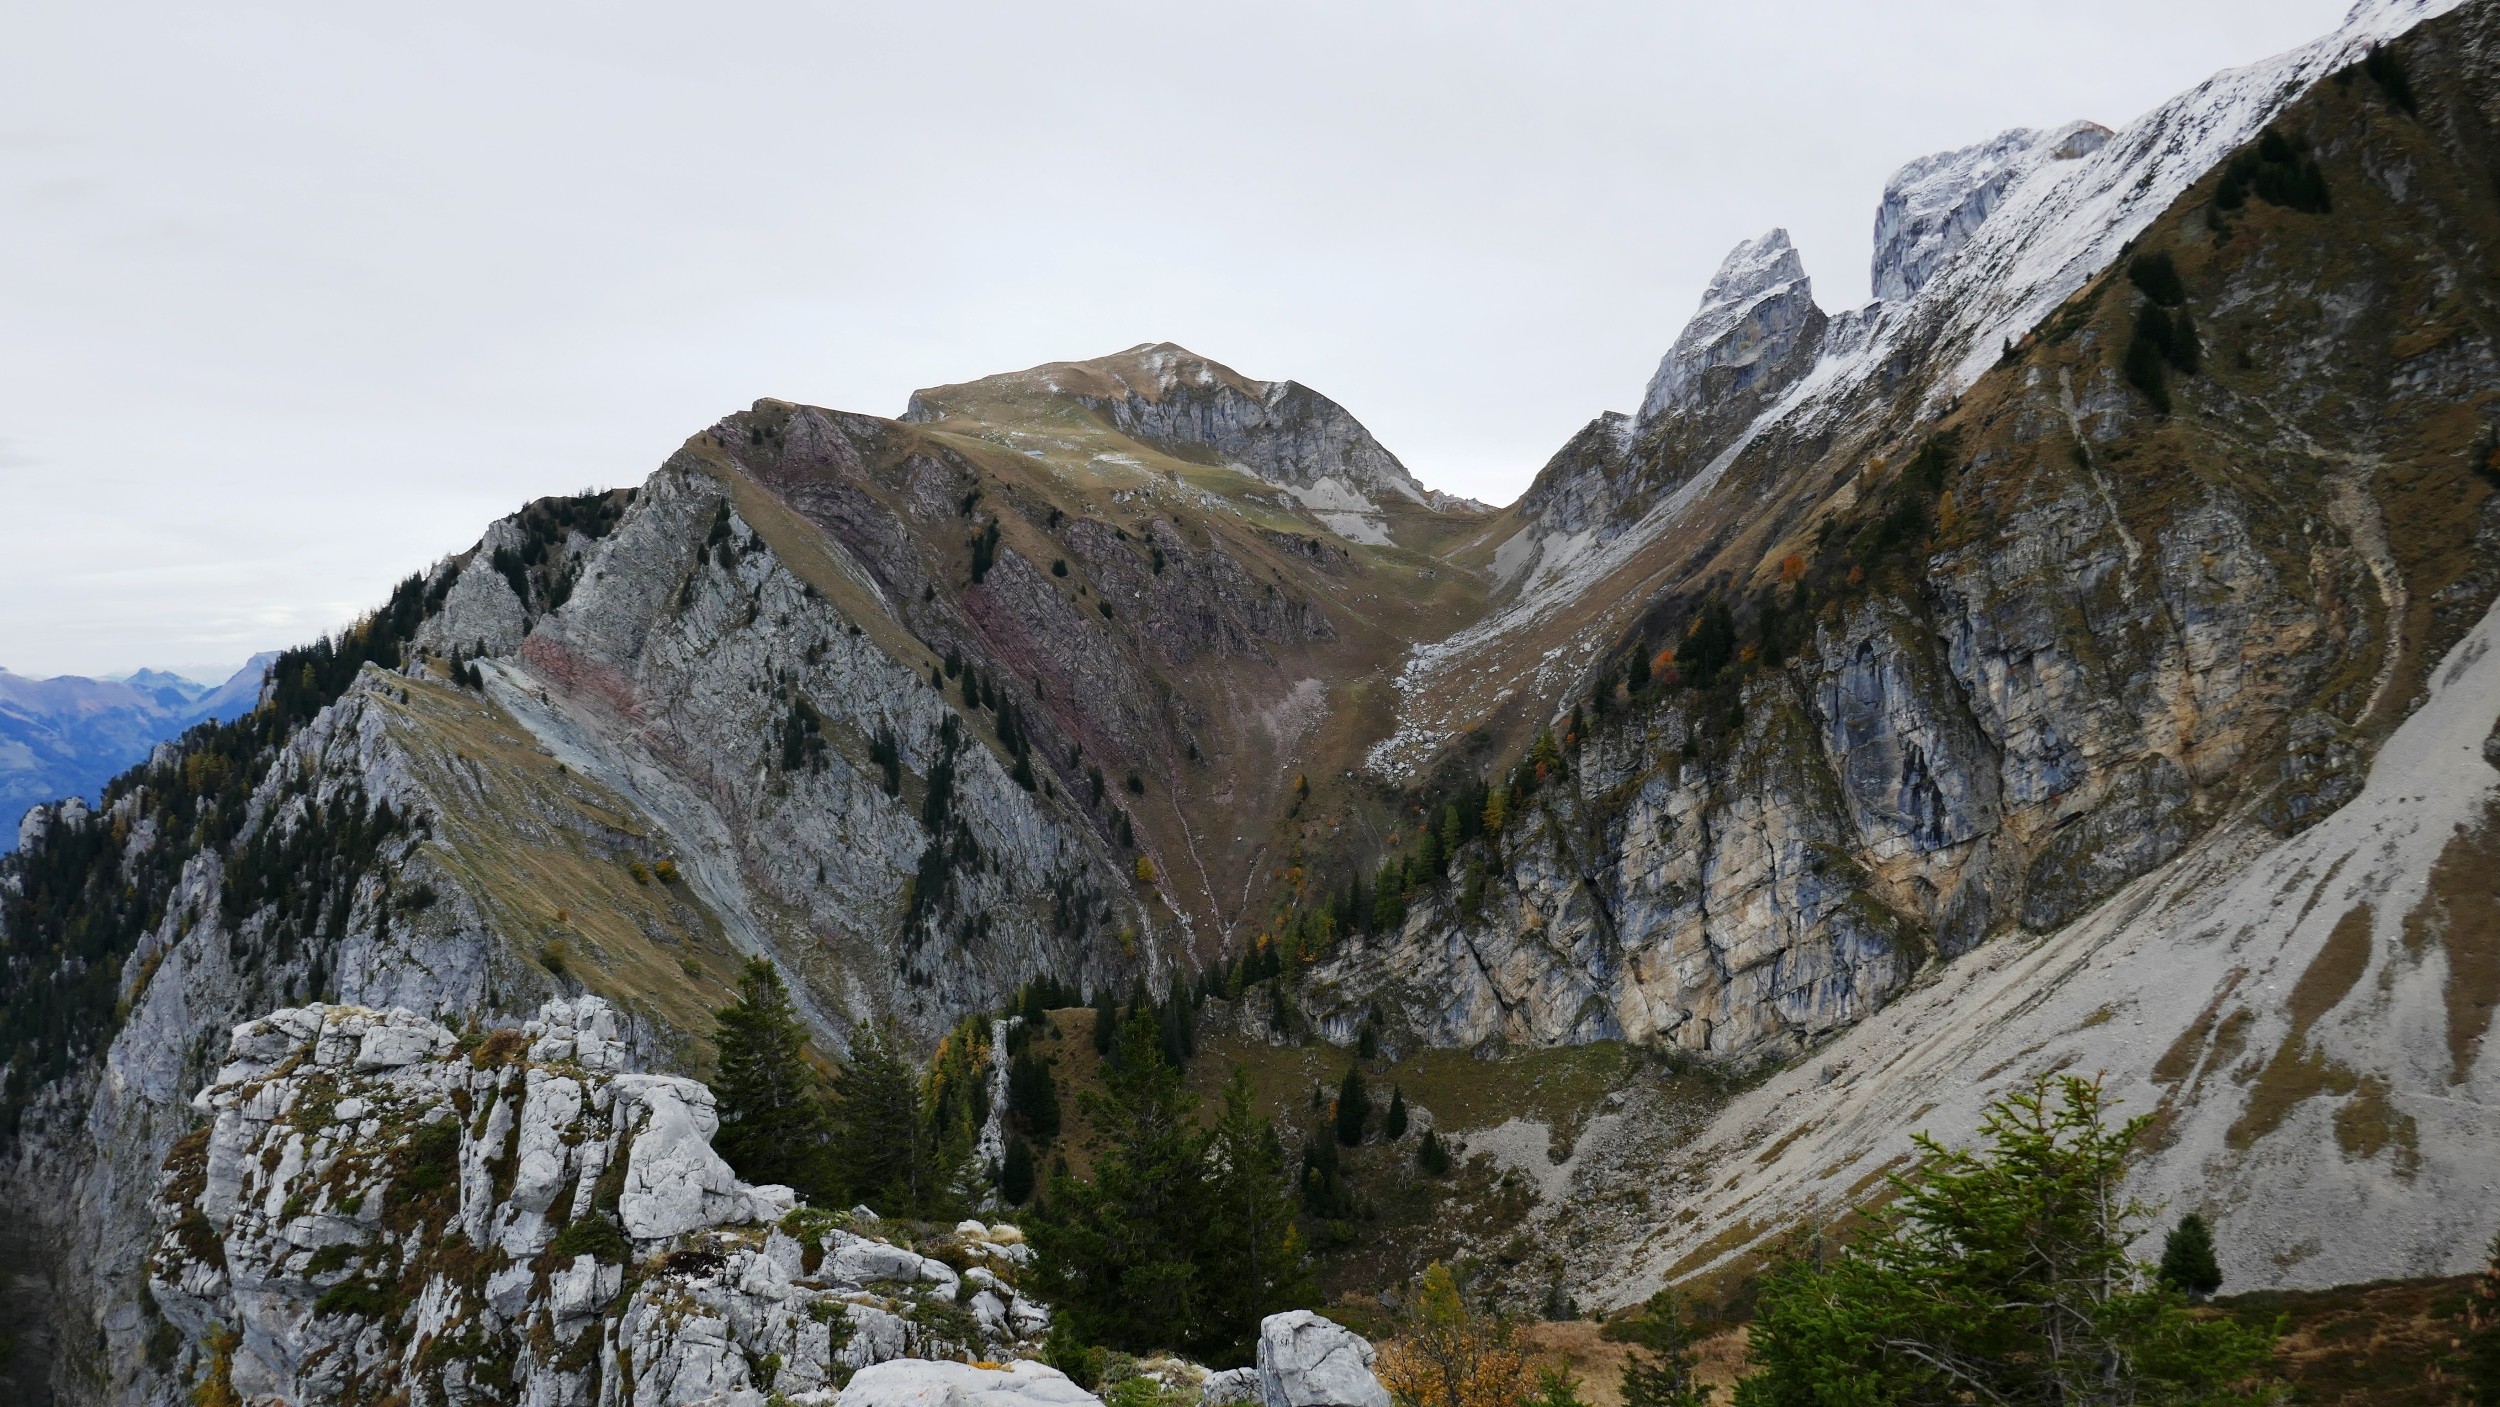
(1933, 205)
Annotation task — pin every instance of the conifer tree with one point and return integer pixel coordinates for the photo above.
(1250, 1259)
(1033, 1097)
(2000, 1274)
(1323, 1177)
(1431, 1156)
(1393, 1127)
(881, 1146)
(1106, 1021)
(2187, 1258)
(1354, 1107)
(1114, 1255)
(772, 1119)
(1015, 1172)
(1658, 1372)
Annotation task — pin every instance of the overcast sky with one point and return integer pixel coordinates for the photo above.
(295, 297)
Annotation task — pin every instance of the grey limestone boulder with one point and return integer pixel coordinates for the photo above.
(919, 1382)
(1306, 1360)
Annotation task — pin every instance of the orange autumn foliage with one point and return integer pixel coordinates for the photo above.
(1450, 1356)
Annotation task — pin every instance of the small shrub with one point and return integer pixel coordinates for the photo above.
(592, 1235)
(358, 1297)
(553, 957)
(665, 871)
(640, 871)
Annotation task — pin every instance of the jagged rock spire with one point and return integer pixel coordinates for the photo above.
(1757, 306)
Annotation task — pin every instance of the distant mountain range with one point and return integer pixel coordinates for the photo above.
(67, 736)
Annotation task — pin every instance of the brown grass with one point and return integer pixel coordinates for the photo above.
(1579, 1346)
(2295, 1073)
(2462, 912)
(2377, 1344)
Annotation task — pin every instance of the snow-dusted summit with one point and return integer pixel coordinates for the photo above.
(1933, 205)
(1758, 307)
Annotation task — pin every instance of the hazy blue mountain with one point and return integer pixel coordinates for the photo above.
(68, 735)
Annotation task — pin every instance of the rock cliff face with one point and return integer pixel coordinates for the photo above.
(1757, 313)
(379, 1209)
(1933, 206)
(2113, 550)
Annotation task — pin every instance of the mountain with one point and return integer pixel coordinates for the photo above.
(2077, 659)
(67, 736)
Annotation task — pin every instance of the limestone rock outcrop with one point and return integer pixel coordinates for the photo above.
(379, 1206)
(928, 1383)
(1933, 205)
(1307, 1360)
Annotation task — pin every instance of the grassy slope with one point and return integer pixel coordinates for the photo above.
(545, 851)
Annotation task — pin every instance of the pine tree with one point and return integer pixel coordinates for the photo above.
(1555, 1387)
(1114, 1253)
(1658, 1372)
(1015, 1173)
(1033, 1097)
(1250, 1257)
(772, 1120)
(1393, 1127)
(881, 1145)
(1323, 1178)
(1431, 1156)
(1354, 1107)
(2187, 1258)
(1178, 1021)
(1106, 1021)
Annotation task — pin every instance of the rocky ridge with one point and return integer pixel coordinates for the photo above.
(378, 1206)
(1052, 677)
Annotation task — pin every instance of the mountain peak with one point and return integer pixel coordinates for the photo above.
(1167, 395)
(1757, 308)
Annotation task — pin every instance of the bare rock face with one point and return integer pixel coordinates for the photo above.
(379, 1207)
(925, 1383)
(1757, 311)
(1933, 205)
(1306, 1360)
